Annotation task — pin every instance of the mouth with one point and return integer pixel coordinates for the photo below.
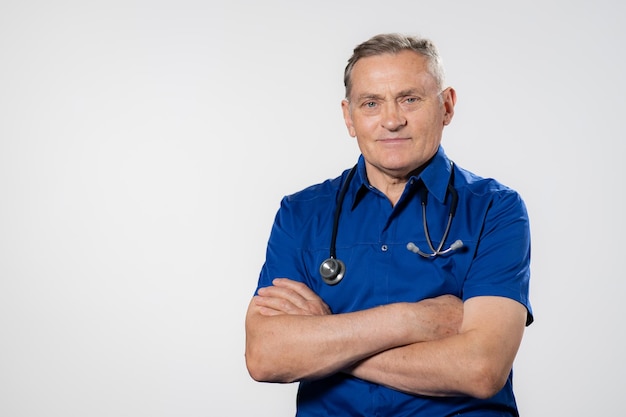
(391, 141)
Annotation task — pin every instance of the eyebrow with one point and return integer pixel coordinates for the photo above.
(411, 92)
(403, 93)
(369, 97)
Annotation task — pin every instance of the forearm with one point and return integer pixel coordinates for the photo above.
(286, 348)
(476, 362)
(435, 368)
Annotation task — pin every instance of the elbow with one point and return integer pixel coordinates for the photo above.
(254, 369)
(257, 367)
(257, 373)
(264, 360)
(485, 381)
(264, 369)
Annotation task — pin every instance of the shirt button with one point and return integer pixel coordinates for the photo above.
(384, 248)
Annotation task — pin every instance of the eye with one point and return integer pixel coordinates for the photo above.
(411, 100)
(369, 104)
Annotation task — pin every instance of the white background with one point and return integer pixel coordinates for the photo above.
(145, 146)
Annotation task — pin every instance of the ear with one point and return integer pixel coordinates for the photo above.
(449, 101)
(347, 117)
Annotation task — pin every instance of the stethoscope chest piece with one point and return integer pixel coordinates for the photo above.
(332, 271)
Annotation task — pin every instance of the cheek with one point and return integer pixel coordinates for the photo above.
(363, 127)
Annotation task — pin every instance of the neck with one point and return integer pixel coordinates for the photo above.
(393, 192)
(390, 185)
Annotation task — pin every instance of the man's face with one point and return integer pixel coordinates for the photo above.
(397, 113)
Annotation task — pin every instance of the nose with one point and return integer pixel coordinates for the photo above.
(393, 117)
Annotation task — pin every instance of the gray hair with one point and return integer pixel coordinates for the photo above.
(392, 43)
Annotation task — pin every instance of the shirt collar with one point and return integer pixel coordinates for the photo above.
(435, 177)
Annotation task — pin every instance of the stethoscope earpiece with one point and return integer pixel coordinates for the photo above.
(332, 271)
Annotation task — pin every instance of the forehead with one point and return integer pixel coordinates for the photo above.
(406, 70)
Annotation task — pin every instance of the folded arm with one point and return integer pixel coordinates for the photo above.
(291, 334)
(436, 347)
(474, 362)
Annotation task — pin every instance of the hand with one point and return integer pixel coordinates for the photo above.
(438, 317)
(287, 296)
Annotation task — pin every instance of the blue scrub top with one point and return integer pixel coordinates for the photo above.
(491, 220)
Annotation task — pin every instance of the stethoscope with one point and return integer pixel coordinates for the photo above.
(333, 270)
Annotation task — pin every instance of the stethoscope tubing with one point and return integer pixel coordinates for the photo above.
(332, 269)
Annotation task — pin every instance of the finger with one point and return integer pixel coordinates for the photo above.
(291, 302)
(298, 287)
(265, 311)
(279, 304)
(286, 293)
(259, 307)
(305, 298)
